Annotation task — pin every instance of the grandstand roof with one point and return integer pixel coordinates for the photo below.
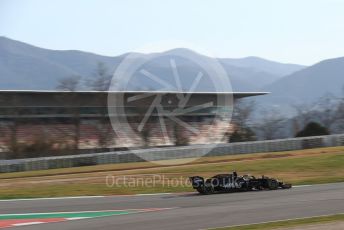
(34, 98)
(28, 98)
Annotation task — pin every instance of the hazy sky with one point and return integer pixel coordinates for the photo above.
(295, 31)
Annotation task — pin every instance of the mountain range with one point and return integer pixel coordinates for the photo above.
(309, 84)
(23, 66)
(27, 67)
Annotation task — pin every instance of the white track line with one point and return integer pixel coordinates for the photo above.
(28, 223)
(77, 218)
(124, 195)
(114, 210)
(152, 194)
(88, 197)
(53, 198)
(300, 186)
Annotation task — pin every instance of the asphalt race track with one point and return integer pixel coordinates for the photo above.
(188, 211)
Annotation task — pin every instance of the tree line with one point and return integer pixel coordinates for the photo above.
(323, 117)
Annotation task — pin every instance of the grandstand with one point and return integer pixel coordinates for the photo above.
(80, 121)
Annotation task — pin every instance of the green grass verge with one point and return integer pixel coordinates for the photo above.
(288, 223)
(150, 165)
(323, 165)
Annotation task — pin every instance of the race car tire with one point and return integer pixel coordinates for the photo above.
(209, 190)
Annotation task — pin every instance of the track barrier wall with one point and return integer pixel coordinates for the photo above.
(154, 154)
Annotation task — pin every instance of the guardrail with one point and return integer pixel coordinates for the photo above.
(155, 154)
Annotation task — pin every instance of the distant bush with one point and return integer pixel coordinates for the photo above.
(39, 147)
(313, 129)
(241, 135)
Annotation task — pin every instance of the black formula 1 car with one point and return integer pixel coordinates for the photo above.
(233, 183)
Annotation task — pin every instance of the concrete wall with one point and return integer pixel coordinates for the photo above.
(170, 153)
